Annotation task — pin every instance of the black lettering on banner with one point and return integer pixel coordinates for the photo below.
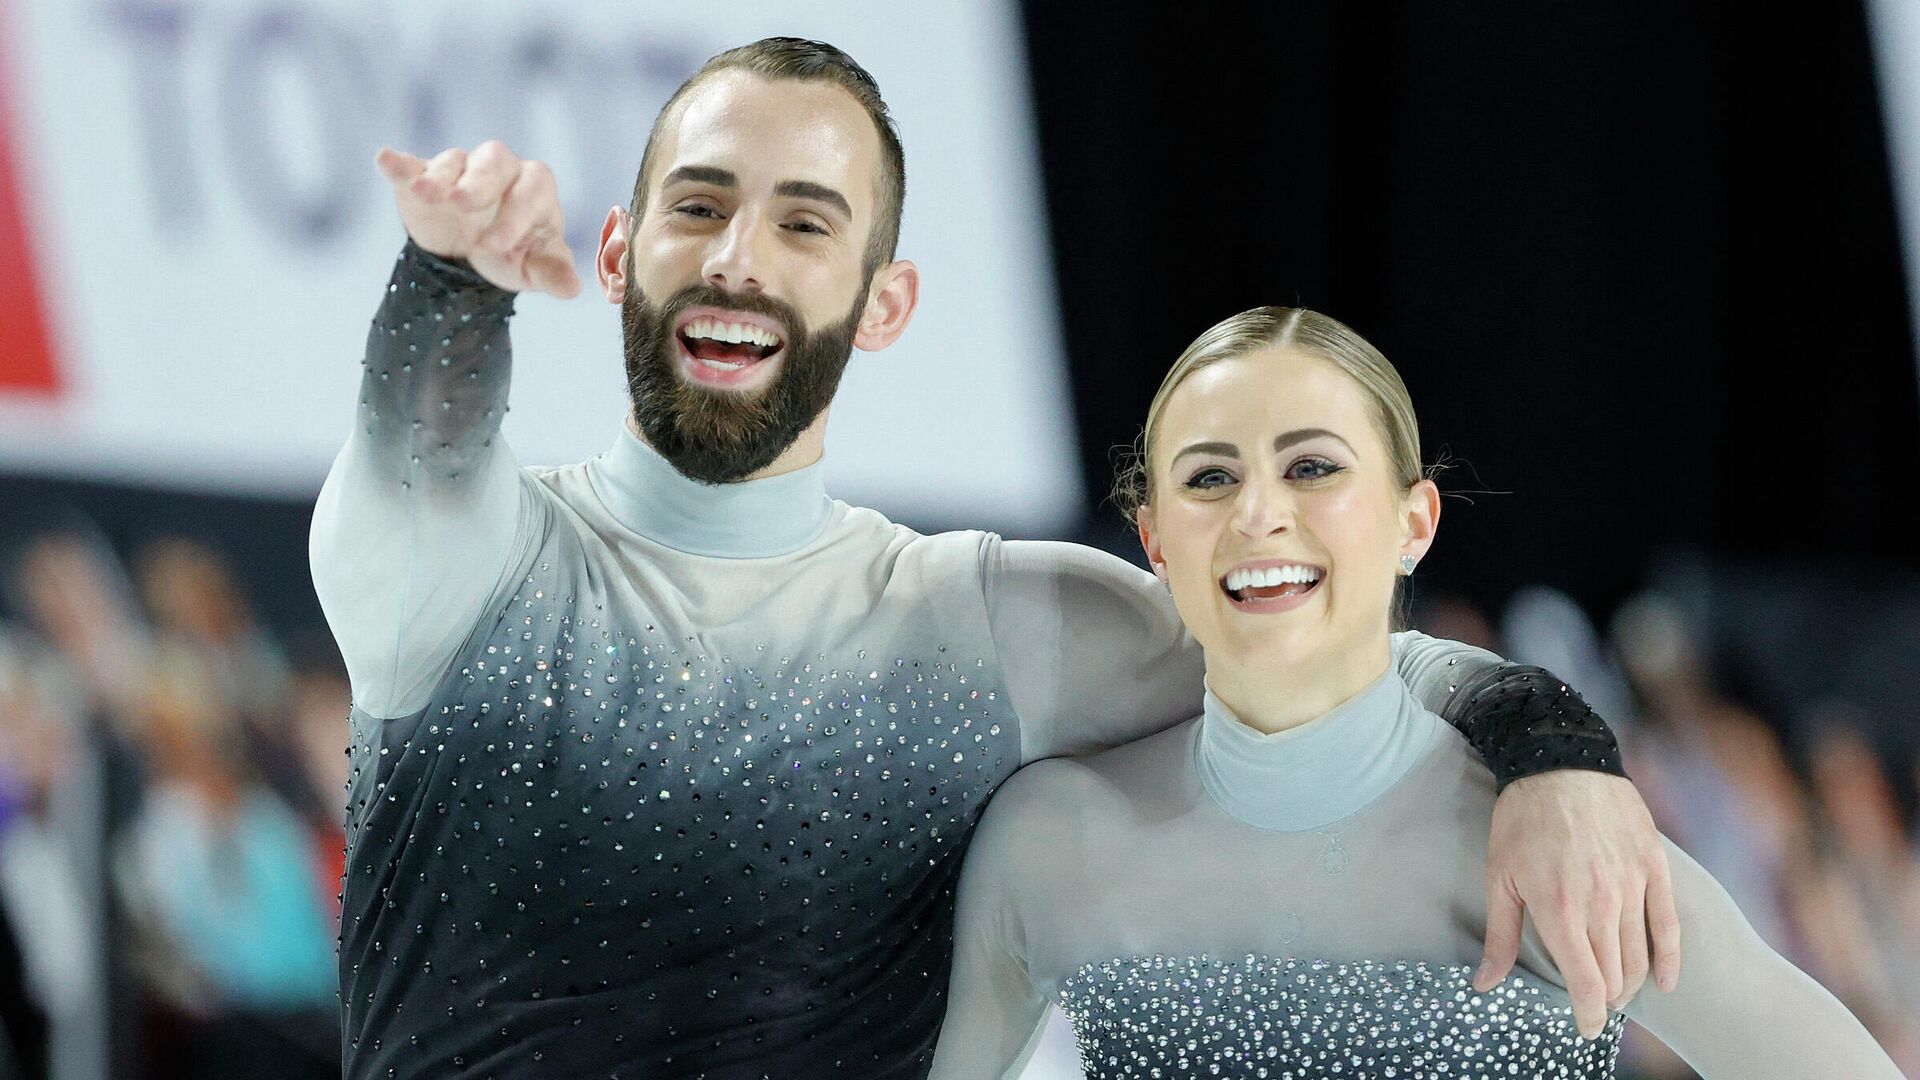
(318, 209)
(298, 163)
(155, 32)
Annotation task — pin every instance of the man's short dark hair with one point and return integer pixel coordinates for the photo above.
(808, 61)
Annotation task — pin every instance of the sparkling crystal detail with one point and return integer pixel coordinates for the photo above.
(1287, 1018)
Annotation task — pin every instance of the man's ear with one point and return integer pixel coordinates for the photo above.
(891, 298)
(1143, 519)
(611, 265)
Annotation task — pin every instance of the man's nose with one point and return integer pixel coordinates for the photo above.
(736, 262)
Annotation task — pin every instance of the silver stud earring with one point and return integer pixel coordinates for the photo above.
(1407, 563)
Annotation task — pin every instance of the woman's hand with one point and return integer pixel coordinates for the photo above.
(1579, 851)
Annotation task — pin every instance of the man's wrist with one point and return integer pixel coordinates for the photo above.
(1525, 721)
(452, 276)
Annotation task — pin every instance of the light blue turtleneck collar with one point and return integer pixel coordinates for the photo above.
(1320, 772)
(752, 519)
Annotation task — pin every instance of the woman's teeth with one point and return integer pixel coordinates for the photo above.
(1268, 577)
(1271, 582)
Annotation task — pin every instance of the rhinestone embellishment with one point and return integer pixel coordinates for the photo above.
(1291, 1019)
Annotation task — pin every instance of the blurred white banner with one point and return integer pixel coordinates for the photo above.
(1896, 47)
(208, 235)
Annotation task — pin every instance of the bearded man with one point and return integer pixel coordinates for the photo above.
(664, 763)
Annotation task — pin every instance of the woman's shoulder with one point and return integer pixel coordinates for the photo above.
(1453, 766)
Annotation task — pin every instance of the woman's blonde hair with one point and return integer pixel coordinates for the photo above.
(1296, 328)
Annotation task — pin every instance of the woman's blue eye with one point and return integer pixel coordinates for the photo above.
(1313, 469)
(1209, 478)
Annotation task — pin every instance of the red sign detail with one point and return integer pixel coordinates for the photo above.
(26, 350)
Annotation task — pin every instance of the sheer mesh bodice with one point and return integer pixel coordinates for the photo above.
(1215, 901)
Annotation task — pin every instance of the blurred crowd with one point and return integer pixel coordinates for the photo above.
(1809, 820)
(171, 778)
(171, 813)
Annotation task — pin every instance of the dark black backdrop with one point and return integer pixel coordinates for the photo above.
(1637, 261)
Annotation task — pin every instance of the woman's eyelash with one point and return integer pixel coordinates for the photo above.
(1196, 480)
(1325, 468)
(1319, 469)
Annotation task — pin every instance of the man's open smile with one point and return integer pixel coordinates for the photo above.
(732, 350)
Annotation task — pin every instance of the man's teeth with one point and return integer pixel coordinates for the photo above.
(1269, 576)
(730, 333)
(719, 365)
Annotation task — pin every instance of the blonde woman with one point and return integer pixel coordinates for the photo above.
(1292, 883)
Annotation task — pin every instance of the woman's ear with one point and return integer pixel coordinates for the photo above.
(891, 298)
(611, 264)
(1143, 519)
(1422, 510)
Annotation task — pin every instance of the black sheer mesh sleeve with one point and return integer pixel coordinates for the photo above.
(437, 368)
(1523, 720)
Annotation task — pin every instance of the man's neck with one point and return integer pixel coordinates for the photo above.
(807, 449)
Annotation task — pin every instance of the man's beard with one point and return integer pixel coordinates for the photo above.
(719, 436)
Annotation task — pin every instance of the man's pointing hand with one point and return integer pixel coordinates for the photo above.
(489, 207)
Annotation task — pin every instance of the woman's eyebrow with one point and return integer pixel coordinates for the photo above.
(1300, 435)
(1223, 449)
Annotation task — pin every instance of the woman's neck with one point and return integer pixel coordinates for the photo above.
(1272, 698)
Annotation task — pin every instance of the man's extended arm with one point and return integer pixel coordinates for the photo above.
(424, 507)
(418, 515)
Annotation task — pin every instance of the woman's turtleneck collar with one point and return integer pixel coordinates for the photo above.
(1312, 775)
(751, 519)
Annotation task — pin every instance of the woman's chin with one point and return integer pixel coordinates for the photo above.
(1309, 653)
(1277, 650)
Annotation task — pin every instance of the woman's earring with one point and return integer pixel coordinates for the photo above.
(1407, 563)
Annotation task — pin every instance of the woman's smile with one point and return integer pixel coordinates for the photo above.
(1269, 586)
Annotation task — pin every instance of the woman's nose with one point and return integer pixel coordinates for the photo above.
(1263, 511)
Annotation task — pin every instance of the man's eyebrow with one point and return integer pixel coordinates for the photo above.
(1223, 449)
(807, 189)
(1300, 435)
(700, 174)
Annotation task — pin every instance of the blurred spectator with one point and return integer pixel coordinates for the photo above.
(1863, 884)
(1712, 773)
(317, 722)
(219, 867)
(79, 657)
(197, 607)
(75, 596)
(1444, 615)
(33, 761)
(1545, 627)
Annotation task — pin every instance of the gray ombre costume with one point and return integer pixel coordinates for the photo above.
(1312, 904)
(654, 778)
